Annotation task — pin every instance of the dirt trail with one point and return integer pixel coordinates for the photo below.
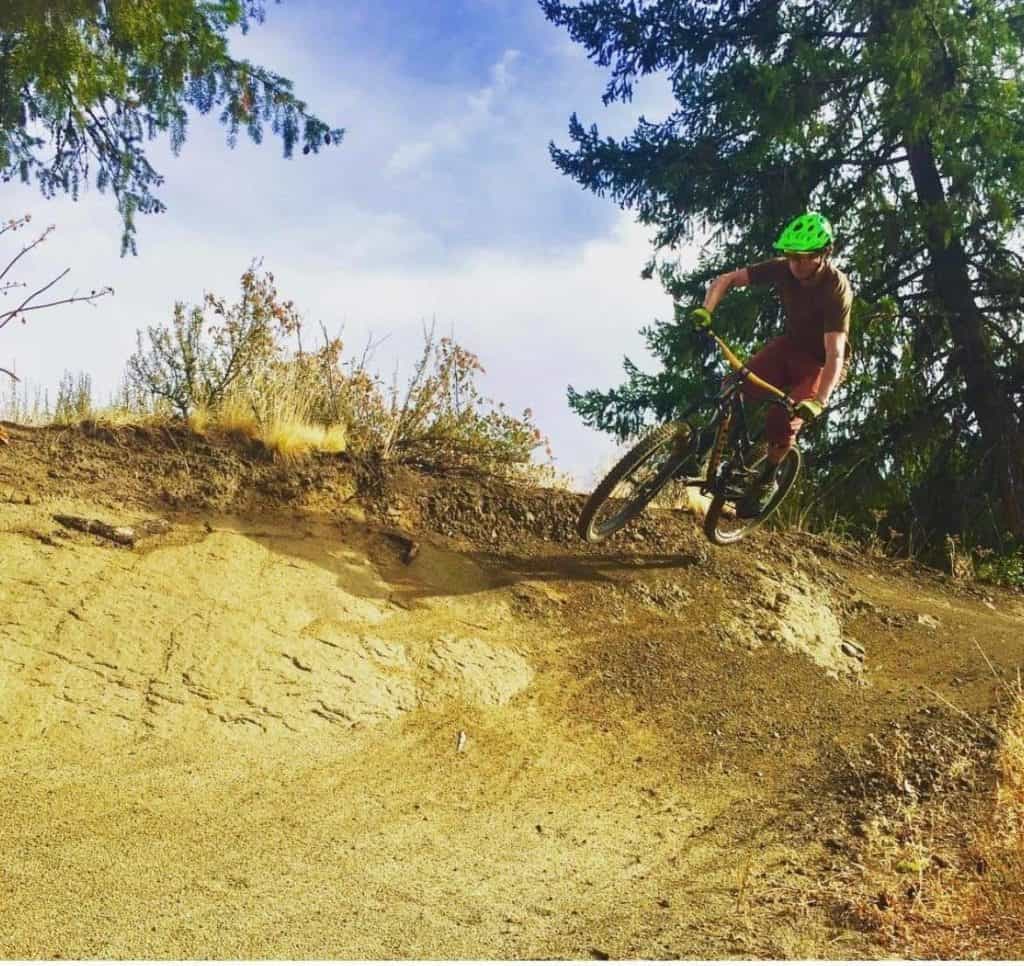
(264, 735)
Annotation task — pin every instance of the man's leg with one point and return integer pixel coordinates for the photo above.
(771, 364)
(803, 377)
(799, 375)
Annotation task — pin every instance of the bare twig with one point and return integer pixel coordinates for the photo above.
(999, 679)
(25, 250)
(11, 315)
(90, 298)
(371, 348)
(7, 316)
(7, 372)
(14, 224)
(26, 305)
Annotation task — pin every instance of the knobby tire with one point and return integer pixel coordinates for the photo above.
(643, 452)
(715, 527)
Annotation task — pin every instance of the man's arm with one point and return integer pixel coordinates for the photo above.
(737, 278)
(835, 347)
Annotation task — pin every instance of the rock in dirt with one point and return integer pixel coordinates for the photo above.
(852, 649)
(798, 618)
(408, 548)
(124, 536)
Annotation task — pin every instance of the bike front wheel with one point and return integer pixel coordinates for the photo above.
(721, 523)
(635, 480)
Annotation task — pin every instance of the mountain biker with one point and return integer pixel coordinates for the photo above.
(806, 361)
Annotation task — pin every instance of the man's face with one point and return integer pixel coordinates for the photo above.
(804, 265)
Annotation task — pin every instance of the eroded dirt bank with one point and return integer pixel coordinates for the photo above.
(424, 722)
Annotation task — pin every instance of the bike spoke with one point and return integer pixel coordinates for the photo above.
(634, 491)
(636, 481)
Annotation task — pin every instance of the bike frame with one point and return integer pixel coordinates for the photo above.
(730, 416)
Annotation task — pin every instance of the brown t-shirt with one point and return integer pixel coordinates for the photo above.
(811, 310)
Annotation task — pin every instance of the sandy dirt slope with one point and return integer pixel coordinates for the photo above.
(264, 735)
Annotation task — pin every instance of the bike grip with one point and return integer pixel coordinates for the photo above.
(700, 319)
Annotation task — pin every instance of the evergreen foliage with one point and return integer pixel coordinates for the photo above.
(85, 84)
(903, 122)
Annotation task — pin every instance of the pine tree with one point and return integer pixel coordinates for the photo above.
(85, 84)
(903, 121)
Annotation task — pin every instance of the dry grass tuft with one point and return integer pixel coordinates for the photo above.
(995, 906)
(117, 417)
(235, 417)
(113, 418)
(200, 420)
(934, 867)
(293, 439)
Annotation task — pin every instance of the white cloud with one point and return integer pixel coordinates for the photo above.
(454, 133)
(501, 81)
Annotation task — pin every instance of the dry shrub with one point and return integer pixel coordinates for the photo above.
(118, 417)
(242, 369)
(210, 349)
(442, 417)
(74, 399)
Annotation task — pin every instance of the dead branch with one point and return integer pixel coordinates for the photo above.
(14, 224)
(26, 249)
(124, 536)
(26, 306)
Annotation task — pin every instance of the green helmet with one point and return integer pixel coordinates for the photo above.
(809, 232)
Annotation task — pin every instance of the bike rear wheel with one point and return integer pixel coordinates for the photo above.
(635, 480)
(723, 526)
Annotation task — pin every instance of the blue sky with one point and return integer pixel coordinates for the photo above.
(441, 203)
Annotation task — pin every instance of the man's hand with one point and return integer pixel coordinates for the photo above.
(700, 319)
(808, 410)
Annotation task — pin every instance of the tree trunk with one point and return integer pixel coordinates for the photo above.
(987, 397)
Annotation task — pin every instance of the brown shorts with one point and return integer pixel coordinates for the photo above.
(789, 367)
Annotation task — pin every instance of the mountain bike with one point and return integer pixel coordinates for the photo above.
(719, 456)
